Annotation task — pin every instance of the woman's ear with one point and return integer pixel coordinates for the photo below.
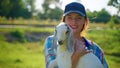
(63, 19)
(83, 27)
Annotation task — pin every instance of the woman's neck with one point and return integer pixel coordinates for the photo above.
(77, 36)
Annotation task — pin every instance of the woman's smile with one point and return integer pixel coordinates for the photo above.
(73, 26)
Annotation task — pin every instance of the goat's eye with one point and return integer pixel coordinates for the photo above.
(55, 32)
(67, 32)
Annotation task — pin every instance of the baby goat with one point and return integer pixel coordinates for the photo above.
(63, 38)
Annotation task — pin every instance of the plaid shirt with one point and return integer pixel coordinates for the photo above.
(50, 54)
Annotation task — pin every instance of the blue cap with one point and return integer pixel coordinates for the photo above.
(75, 7)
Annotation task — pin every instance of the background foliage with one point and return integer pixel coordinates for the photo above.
(26, 9)
(23, 30)
(15, 53)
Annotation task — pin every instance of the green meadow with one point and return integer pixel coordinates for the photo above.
(19, 51)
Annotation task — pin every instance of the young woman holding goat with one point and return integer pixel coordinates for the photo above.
(75, 17)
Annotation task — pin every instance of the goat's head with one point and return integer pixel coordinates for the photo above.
(64, 34)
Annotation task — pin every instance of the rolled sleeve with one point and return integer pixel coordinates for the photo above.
(48, 51)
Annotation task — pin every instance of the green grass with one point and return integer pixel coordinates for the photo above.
(28, 21)
(21, 55)
(31, 54)
(108, 39)
(29, 29)
(113, 61)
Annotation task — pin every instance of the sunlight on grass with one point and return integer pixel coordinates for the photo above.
(27, 55)
(40, 29)
(31, 54)
(114, 62)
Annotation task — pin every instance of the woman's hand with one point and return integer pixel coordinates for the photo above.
(80, 50)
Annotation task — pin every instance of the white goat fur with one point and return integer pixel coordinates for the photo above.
(64, 52)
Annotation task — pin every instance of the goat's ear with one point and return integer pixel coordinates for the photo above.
(70, 43)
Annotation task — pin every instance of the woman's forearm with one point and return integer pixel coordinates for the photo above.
(75, 59)
(74, 62)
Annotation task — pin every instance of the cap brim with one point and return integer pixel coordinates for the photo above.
(82, 14)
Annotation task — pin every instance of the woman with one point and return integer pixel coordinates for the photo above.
(75, 16)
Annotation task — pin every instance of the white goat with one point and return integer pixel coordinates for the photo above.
(64, 36)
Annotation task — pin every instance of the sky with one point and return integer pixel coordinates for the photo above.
(92, 5)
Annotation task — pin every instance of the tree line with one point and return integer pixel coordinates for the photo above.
(26, 9)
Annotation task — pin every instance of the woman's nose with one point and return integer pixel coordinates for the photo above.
(73, 20)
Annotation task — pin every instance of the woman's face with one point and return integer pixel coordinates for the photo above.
(75, 21)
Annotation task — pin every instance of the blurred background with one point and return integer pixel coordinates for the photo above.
(25, 24)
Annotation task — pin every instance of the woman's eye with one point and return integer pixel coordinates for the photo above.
(79, 18)
(69, 18)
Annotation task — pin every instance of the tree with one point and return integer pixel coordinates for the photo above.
(4, 10)
(55, 14)
(115, 19)
(116, 4)
(14, 9)
(103, 16)
(51, 13)
(17, 7)
(47, 3)
(31, 6)
(91, 15)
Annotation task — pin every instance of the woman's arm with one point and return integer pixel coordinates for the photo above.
(79, 51)
(49, 52)
(75, 58)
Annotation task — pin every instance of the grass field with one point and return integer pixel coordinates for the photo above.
(31, 54)
(109, 41)
(21, 55)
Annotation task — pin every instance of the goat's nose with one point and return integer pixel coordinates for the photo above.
(60, 42)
